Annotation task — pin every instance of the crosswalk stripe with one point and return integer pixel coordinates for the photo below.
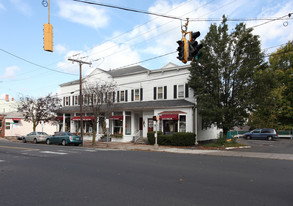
(2, 160)
(50, 152)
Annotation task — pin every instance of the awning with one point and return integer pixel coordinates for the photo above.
(84, 118)
(60, 118)
(16, 119)
(118, 117)
(169, 117)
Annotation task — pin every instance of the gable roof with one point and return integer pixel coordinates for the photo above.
(126, 71)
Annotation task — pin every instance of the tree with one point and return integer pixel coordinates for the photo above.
(275, 107)
(101, 99)
(41, 109)
(223, 79)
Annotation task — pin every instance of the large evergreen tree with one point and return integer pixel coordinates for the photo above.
(223, 79)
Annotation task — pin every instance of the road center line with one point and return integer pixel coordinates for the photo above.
(25, 148)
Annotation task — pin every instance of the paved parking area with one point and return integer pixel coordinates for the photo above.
(280, 146)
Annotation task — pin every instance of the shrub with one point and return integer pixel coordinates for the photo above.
(151, 137)
(183, 139)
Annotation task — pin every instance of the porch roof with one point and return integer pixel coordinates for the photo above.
(144, 105)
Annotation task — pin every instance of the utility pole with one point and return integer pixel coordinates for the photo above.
(80, 91)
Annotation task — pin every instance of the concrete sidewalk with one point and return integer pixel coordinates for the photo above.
(189, 150)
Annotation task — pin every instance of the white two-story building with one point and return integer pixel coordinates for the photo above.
(141, 94)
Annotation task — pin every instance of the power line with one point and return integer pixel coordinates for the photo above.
(35, 64)
(128, 9)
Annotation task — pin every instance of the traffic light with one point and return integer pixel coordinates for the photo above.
(48, 37)
(183, 50)
(194, 47)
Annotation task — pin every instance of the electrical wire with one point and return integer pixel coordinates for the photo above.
(128, 9)
(35, 64)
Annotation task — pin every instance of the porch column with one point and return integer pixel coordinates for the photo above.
(63, 126)
(195, 126)
(123, 126)
(72, 125)
(133, 126)
(98, 129)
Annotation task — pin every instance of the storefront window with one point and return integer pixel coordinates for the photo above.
(128, 123)
(118, 127)
(182, 123)
(7, 125)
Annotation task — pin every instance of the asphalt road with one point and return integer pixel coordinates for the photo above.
(55, 175)
(280, 146)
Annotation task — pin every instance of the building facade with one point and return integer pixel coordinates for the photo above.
(140, 94)
(13, 125)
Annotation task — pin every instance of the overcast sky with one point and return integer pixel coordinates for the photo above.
(111, 38)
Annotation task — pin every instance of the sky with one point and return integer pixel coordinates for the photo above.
(110, 38)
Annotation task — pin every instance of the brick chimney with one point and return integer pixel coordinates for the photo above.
(7, 98)
(12, 99)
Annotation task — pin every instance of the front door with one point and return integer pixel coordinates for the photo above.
(150, 125)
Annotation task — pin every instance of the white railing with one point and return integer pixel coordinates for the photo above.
(136, 135)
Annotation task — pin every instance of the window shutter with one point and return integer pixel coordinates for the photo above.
(113, 97)
(118, 96)
(72, 100)
(155, 93)
(132, 95)
(186, 91)
(126, 95)
(141, 94)
(63, 101)
(175, 91)
(165, 92)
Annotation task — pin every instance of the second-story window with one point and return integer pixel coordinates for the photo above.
(160, 92)
(67, 101)
(122, 96)
(76, 100)
(181, 91)
(136, 95)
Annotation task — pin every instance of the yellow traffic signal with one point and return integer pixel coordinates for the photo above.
(48, 37)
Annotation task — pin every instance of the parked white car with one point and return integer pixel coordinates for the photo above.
(35, 137)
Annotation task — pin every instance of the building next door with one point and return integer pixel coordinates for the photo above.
(150, 125)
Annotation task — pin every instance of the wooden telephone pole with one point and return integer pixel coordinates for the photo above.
(80, 91)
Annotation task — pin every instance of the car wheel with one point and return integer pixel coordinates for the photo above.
(48, 141)
(248, 137)
(270, 138)
(76, 144)
(63, 142)
(35, 141)
(23, 140)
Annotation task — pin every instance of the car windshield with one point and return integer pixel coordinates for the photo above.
(42, 133)
(69, 134)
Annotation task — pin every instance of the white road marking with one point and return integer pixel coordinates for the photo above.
(2, 160)
(50, 152)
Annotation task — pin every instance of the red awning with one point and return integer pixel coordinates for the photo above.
(84, 118)
(60, 118)
(169, 117)
(16, 119)
(118, 117)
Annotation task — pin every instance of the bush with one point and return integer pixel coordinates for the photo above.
(183, 139)
(151, 137)
(177, 139)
